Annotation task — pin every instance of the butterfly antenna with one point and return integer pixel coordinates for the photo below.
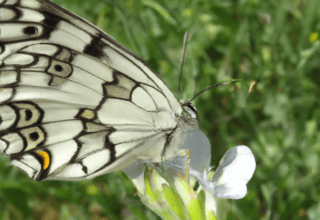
(211, 87)
(185, 40)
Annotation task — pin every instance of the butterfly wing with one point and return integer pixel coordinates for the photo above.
(75, 103)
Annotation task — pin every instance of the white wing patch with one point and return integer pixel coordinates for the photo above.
(158, 98)
(142, 99)
(130, 113)
(8, 117)
(92, 143)
(15, 142)
(75, 38)
(93, 67)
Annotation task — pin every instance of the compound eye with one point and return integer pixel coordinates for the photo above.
(191, 109)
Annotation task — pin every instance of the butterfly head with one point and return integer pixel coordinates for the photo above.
(191, 110)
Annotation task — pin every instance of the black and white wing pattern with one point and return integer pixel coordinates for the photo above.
(75, 103)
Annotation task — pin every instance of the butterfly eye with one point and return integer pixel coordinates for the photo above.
(31, 30)
(191, 109)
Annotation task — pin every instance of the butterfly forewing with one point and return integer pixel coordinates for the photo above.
(75, 103)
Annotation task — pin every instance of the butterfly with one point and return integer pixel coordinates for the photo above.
(76, 104)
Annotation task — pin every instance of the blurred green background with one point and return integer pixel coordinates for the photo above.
(272, 45)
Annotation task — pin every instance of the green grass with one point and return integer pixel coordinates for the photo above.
(267, 42)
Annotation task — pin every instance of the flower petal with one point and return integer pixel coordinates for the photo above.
(136, 173)
(234, 172)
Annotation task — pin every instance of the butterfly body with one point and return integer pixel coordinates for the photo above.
(75, 103)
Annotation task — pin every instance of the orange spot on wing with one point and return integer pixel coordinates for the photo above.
(46, 158)
(88, 114)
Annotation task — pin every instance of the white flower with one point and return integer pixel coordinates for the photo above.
(231, 177)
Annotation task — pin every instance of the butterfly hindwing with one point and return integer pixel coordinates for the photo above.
(74, 103)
